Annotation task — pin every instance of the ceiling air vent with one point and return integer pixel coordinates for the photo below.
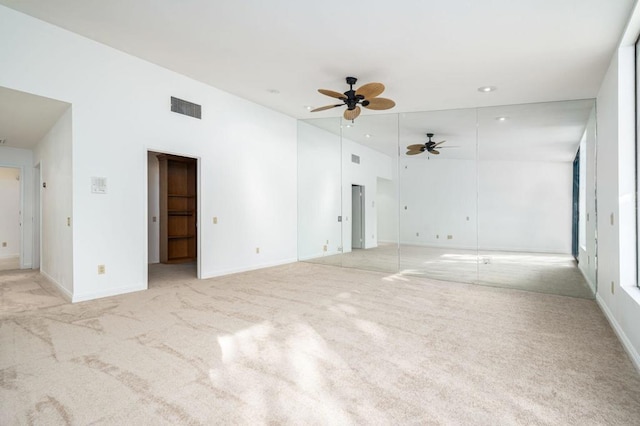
(186, 108)
(355, 158)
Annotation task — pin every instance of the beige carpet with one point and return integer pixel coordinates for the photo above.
(539, 272)
(309, 344)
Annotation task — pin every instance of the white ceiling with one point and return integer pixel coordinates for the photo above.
(25, 118)
(431, 55)
(549, 131)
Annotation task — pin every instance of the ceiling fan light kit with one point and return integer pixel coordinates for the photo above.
(366, 96)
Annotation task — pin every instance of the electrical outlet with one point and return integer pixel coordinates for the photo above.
(437, 237)
(324, 248)
(449, 237)
(68, 221)
(257, 250)
(154, 219)
(215, 220)
(417, 234)
(612, 288)
(101, 270)
(4, 244)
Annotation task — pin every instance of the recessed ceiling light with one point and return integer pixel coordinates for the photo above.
(367, 135)
(274, 91)
(487, 89)
(308, 107)
(349, 126)
(502, 118)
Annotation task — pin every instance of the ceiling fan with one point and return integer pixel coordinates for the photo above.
(366, 96)
(430, 147)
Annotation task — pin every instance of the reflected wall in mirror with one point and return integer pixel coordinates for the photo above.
(438, 195)
(502, 202)
(528, 196)
(370, 201)
(348, 170)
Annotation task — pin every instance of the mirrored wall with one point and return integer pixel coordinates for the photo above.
(347, 192)
(487, 196)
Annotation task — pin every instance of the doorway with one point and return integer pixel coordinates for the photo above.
(10, 218)
(173, 206)
(357, 217)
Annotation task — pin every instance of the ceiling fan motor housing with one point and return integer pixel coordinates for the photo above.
(352, 98)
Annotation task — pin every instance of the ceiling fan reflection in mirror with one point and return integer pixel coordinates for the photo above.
(429, 147)
(366, 95)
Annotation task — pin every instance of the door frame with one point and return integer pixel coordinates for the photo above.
(145, 160)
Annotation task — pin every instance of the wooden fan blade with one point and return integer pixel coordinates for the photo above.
(415, 147)
(333, 94)
(413, 152)
(352, 114)
(434, 152)
(380, 103)
(370, 90)
(439, 143)
(325, 107)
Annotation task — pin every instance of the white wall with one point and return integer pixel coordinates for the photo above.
(387, 204)
(23, 159)
(525, 206)
(121, 110)
(372, 165)
(318, 192)
(153, 208)
(53, 153)
(587, 249)
(436, 198)
(618, 294)
(10, 212)
(505, 205)
(325, 176)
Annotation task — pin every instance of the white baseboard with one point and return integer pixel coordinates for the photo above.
(451, 246)
(586, 278)
(437, 246)
(10, 256)
(626, 343)
(248, 268)
(107, 293)
(319, 255)
(63, 291)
